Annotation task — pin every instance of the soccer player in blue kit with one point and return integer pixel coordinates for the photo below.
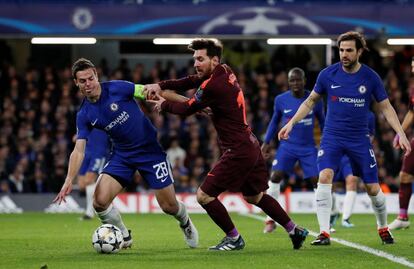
(97, 151)
(110, 106)
(349, 86)
(301, 144)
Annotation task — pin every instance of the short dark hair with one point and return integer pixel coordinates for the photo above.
(359, 39)
(297, 70)
(80, 65)
(213, 47)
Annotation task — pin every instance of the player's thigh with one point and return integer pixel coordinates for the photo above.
(119, 169)
(284, 160)
(329, 154)
(408, 162)
(106, 189)
(156, 171)
(363, 162)
(307, 162)
(256, 180)
(231, 171)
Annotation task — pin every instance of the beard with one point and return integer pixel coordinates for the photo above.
(349, 65)
(204, 74)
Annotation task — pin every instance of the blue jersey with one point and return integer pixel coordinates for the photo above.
(285, 107)
(117, 113)
(349, 97)
(98, 143)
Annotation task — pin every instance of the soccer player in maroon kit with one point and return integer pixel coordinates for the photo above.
(241, 167)
(407, 170)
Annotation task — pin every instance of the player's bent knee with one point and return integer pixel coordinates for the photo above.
(169, 208)
(276, 177)
(253, 199)
(326, 176)
(406, 178)
(99, 207)
(203, 198)
(373, 189)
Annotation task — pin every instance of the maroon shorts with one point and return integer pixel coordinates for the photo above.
(408, 161)
(241, 169)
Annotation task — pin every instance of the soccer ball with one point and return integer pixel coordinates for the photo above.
(107, 239)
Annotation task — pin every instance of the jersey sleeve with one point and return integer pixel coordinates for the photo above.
(83, 127)
(274, 122)
(378, 92)
(122, 88)
(319, 85)
(201, 99)
(181, 85)
(411, 102)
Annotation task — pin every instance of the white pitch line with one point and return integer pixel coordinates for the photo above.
(376, 252)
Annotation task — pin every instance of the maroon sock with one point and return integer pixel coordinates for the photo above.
(218, 213)
(404, 194)
(272, 208)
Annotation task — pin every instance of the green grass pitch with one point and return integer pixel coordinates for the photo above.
(36, 240)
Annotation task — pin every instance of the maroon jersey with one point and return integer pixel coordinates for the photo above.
(222, 93)
(411, 103)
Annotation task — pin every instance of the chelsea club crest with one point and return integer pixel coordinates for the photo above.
(114, 107)
(362, 89)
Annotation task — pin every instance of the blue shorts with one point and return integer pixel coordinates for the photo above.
(286, 157)
(92, 163)
(345, 169)
(360, 153)
(154, 169)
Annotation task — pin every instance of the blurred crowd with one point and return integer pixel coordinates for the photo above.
(38, 111)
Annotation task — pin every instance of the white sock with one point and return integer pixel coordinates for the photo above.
(349, 202)
(182, 215)
(380, 209)
(323, 206)
(274, 191)
(112, 216)
(90, 189)
(334, 208)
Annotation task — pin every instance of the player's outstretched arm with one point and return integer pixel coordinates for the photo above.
(408, 120)
(173, 96)
(150, 91)
(303, 110)
(75, 162)
(389, 113)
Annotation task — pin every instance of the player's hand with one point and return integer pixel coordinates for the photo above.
(404, 144)
(151, 90)
(266, 151)
(285, 131)
(157, 101)
(396, 142)
(66, 189)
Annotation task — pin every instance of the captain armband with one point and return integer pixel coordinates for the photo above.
(139, 91)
